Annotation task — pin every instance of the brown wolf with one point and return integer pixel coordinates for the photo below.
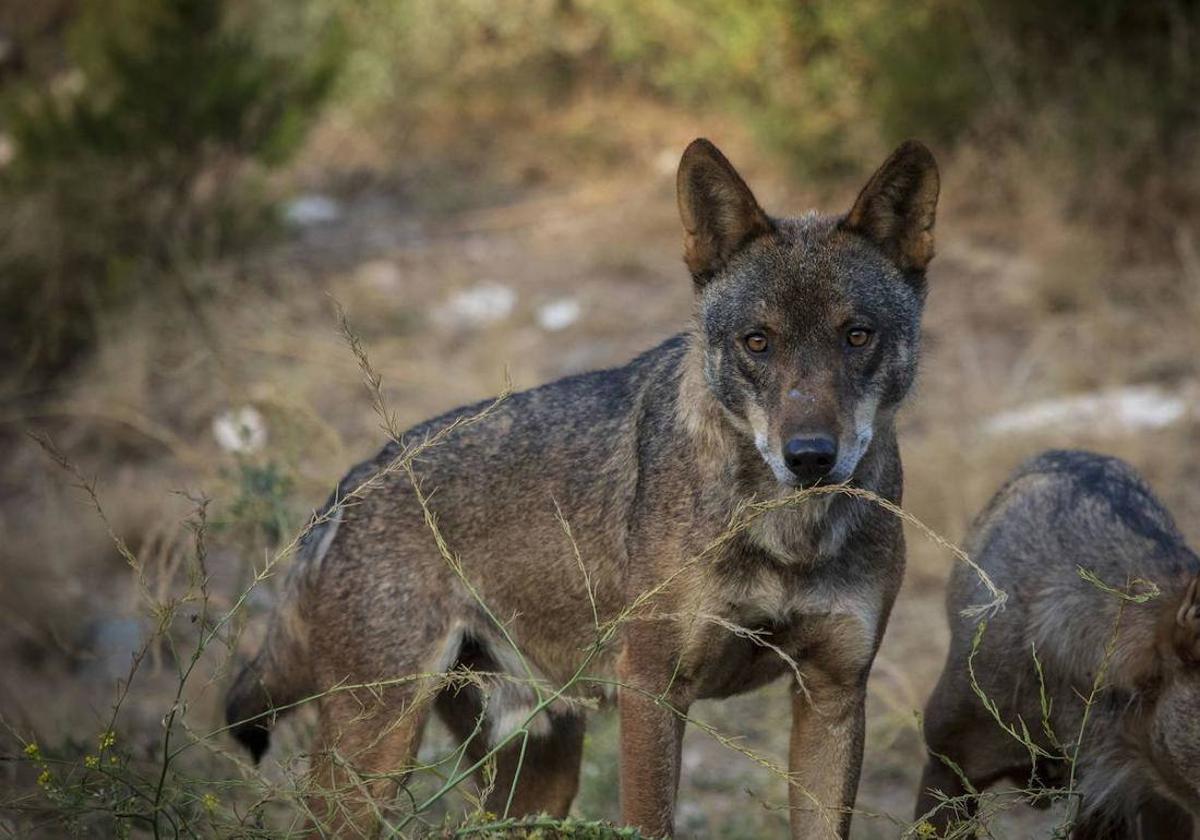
(804, 342)
(1140, 751)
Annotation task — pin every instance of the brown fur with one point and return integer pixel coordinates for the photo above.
(647, 466)
(1139, 760)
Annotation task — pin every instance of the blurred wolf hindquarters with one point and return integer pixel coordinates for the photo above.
(804, 343)
(1139, 757)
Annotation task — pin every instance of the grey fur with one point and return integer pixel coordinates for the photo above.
(1060, 511)
(647, 463)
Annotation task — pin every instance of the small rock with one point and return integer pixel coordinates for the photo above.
(482, 304)
(1112, 411)
(312, 209)
(113, 642)
(558, 314)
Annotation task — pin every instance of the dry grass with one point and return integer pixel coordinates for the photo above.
(1023, 305)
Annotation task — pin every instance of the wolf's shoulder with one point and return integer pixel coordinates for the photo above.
(1084, 498)
(1080, 466)
(598, 399)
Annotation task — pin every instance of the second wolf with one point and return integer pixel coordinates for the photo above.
(804, 343)
(1137, 744)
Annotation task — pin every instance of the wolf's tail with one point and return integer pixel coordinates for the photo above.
(269, 685)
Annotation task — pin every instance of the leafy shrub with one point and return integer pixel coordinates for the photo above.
(1118, 76)
(141, 158)
(262, 503)
(829, 82)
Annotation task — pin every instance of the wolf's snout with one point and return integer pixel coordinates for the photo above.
(810, 457)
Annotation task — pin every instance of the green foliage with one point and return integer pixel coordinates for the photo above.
(1121, 74)
(828, 82)
(785, 68)
(821, 81)
(143, 156)
(543, 828)
(263, 500)
(148, 153)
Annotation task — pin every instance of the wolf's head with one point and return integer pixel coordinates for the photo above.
(1172, 696)
(810, 326)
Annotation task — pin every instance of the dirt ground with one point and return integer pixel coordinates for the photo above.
(1021, 309)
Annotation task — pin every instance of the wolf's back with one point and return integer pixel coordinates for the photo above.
(530, 435)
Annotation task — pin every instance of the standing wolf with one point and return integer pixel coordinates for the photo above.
(1139, 757)
(804, 343)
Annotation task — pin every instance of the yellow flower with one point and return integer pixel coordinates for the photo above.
(107, 739)
(45, 779)
(31, 750)
(91, 762)
(926, 829)
(210, 802)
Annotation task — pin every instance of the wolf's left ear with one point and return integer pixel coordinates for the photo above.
(720, 215)
(896, 208)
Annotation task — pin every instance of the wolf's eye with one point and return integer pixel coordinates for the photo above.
(858, 337)
(756, 342)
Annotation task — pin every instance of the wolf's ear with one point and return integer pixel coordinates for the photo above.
(896, 208)
(719, 213)
(1186, 632)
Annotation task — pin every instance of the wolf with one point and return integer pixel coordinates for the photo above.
(630, 534)
(1139, 752)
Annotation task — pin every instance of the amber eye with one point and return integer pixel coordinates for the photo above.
(756, 343)
(858, 337)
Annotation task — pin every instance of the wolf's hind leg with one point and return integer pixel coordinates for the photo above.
(1105, 827)
(1163, 818)
(958, 729)
(365, 747)
(546, 780)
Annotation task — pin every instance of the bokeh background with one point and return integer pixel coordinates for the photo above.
(188, 186)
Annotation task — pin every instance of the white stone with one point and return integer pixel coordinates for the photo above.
(312, 209)
(558, 314)
(1113, 410)
(482, 304)
(241, 430)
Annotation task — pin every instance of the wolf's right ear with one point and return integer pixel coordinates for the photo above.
(1186, 632)
(896, 208)
(720, 215)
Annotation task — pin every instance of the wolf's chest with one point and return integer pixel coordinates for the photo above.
(811, 531)
(787, 598)
(768, 624)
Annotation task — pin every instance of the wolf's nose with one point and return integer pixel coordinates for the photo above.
(810, 457)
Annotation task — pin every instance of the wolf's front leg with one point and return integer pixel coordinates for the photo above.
(652, 708)
(825, 758)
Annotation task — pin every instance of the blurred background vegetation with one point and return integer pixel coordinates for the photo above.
(138, 134)
(183, 183)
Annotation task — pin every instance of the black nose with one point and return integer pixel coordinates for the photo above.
(810, 457)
